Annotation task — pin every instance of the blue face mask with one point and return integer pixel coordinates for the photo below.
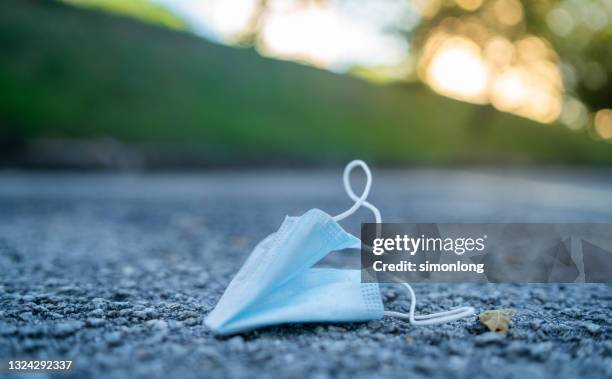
(277, 284)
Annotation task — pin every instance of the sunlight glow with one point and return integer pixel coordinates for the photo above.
(509, 89)
(531, 86)
(457, 70)
(221, 20)
(470, 58)
(521, 77)
(324, 37)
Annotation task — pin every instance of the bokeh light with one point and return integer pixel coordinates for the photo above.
(456, 68)
(575, 114)
(426, 8)
(508, 12)
(603, 123)
(469, 5)
(469, 61)
(324, 36)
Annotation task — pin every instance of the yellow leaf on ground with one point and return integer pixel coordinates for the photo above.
(497, 320)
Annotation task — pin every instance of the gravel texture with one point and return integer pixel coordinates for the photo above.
(118, 272)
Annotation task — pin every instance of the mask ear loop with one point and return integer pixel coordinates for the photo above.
(429, 319)
(361, 200)
(432, 318)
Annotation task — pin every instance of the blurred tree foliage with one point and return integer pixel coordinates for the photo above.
(580, 32)
(74, 74)
(143, 10)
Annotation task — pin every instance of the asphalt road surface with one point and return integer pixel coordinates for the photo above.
(118, 271)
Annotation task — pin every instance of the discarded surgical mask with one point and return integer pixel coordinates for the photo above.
(278, 285)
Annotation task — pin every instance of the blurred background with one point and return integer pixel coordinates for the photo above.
(132, 84)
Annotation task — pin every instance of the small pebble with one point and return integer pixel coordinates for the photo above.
(592, 328)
